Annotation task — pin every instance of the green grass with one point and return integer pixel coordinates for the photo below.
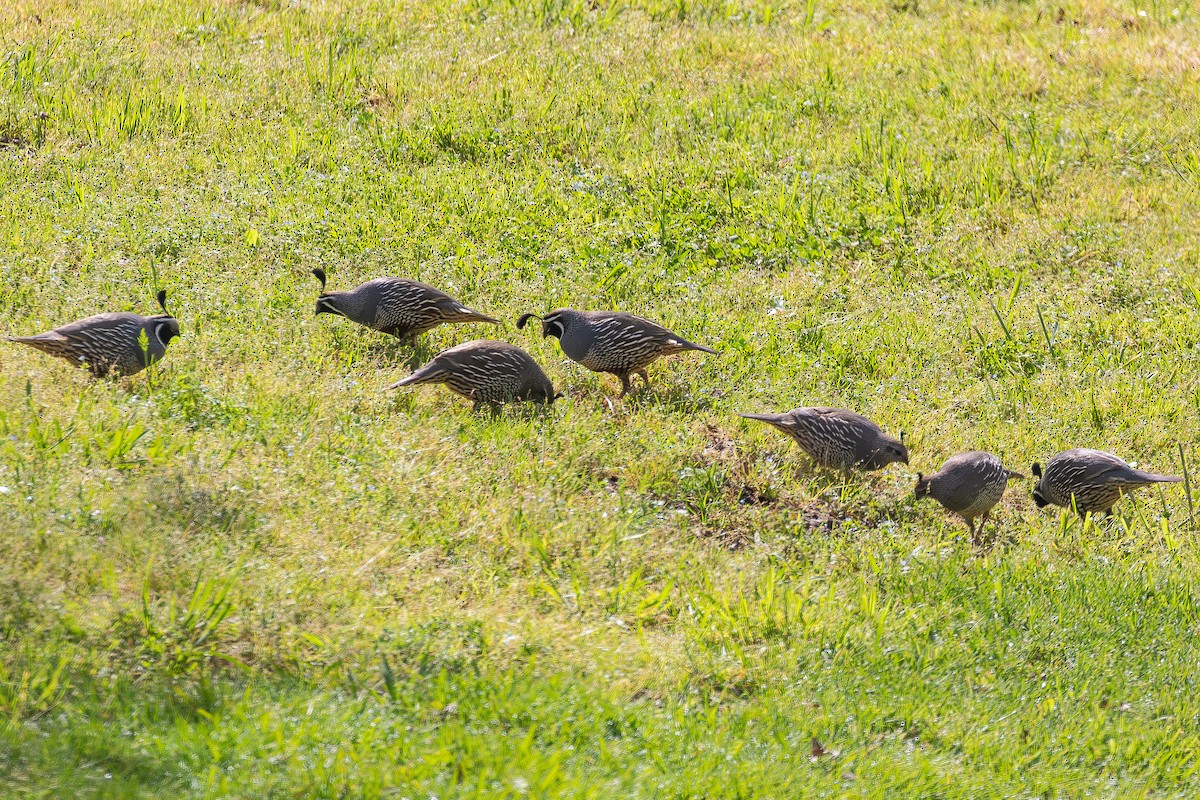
(253, 573)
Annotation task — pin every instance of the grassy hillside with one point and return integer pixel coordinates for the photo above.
(251, 572)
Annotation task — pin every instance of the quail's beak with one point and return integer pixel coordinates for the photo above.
(545, 331)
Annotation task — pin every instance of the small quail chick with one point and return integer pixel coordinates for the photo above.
(1095, 479)
(397, 306)
(611, 341)
(968, 484)
(486, 372)
(116, 344)
(836, 438)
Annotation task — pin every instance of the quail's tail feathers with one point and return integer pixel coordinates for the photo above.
(41, 337)
(770, 419)
(1153, 477)
(50, 342)
(686, 345)
(471, 315)
(430, 373)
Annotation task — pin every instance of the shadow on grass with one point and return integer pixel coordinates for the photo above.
(409, 353)
(668, 398)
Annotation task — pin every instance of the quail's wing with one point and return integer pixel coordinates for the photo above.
(839, 418)
(103, 331)
(835, 425)
(402, 291)
(631, 328)
(467, 350)
(484, 356)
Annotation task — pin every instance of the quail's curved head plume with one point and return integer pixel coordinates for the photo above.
(486, 372)
(611, 341)
(836, 438)
(397, 306)
(968, 484)
(113, 344)
(1094, 479)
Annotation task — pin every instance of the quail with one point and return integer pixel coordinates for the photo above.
(1094, 479)
(397, 306)
(486, 372)
(836, 438)
(114, 344)
(968, 484)
(613, 342)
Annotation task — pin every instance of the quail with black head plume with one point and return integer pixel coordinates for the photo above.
(613, 342)
(836, 438)
(115, 344)
(486, 373)
(1094, 479)
(397, 306)
(968, 484)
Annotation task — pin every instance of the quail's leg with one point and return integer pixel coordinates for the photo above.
(971, 526)
(645, 378)
(624, 385)
(493, 408)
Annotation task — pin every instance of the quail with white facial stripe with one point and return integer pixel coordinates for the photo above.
(486, 373)
(116, 344)
(969, 485)
(613, 342)
(398, 306)
(836, 438)
(1094, 479)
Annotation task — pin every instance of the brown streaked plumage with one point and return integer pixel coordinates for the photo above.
(110, 344)
(836, 438)
(486, 372)
(396, 306)
(968, 484)
(1094, 479)
(611, 341)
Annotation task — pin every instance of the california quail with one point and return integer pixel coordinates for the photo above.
(836, 438)
(110, 344)
(1095, 479)
(486, 372)
(968, 484)
(397, 306)
(610, 341)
